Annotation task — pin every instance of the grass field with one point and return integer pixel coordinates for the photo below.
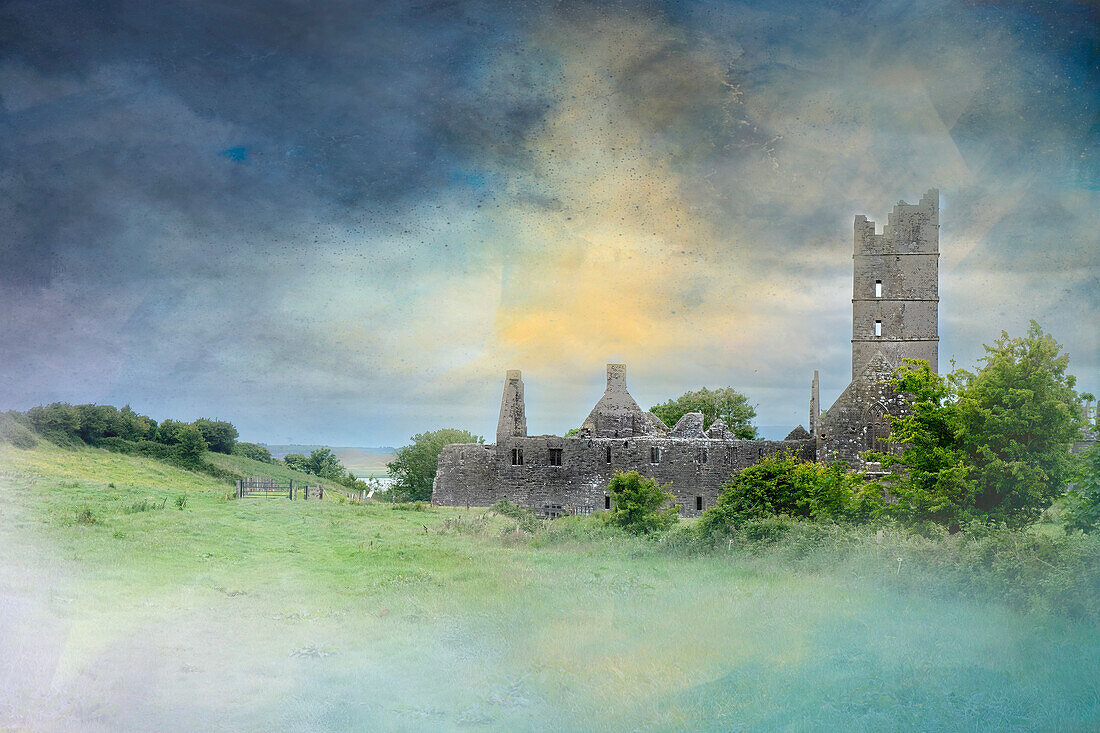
(138, 596)
(248, 467)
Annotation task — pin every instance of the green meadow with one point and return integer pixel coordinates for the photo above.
(136, 595)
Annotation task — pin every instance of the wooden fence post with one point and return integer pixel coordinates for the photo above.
(292, 489)
(238, 488)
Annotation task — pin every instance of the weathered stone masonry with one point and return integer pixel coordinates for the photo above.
(894, 316)
(548, 472)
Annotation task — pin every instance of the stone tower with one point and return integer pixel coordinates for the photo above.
(895, 316)
(895, 295)
(513, 414)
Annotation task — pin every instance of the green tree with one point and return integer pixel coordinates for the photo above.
(252, 450)
(785, 484)
(936, 481)
(58, 422)
(95, 422)
(190, 444)
(219, 434)
(725, 403)
(296, 461)
(132, 426)
(324, 463)
(413, 466)
(168, 432)
(989, 445)
(1083, 510)
(639, 505)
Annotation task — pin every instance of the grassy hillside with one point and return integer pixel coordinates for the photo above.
(245, 467)
(139, 596)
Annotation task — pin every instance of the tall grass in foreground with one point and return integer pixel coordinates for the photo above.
(271, 614)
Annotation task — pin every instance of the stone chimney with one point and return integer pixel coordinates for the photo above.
(616, 378)
(513, 415)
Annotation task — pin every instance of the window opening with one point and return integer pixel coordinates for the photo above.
(654, 455)
(698, 503)
(609, 454)
(517, 456)
(878, 288)
(606, 501)
(555, 456)
(878, 328)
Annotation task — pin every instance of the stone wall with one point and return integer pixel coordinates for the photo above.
(696, 468)
(858, 420)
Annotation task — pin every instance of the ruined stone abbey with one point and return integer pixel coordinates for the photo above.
(895, 298)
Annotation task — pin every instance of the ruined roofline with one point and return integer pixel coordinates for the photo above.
(640, 439)
(616, 412)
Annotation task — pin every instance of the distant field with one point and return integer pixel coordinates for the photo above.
(139, 596)
(363, 462)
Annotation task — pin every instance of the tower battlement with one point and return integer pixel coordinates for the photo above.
(909, 229)
(895, 286)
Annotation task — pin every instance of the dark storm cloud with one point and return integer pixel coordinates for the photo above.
(265, 206)
(226, 114)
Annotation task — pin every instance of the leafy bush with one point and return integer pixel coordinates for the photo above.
(147, 448)
(295, 461)
(86, 516)
(639, 505)
(1083, 511)
(409, 506)
(526, 518)
(219, 435)
(190, 445)
(168, 432)
(145, 505)
(253, 451)
(784, 484)
(58, 423)
(508, 509)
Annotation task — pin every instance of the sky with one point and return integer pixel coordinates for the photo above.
(342, 222)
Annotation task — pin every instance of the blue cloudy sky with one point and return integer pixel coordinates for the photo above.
(341, 222)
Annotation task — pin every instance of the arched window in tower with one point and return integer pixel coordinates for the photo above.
(878, 288)
(876, 426)
(878, 328)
